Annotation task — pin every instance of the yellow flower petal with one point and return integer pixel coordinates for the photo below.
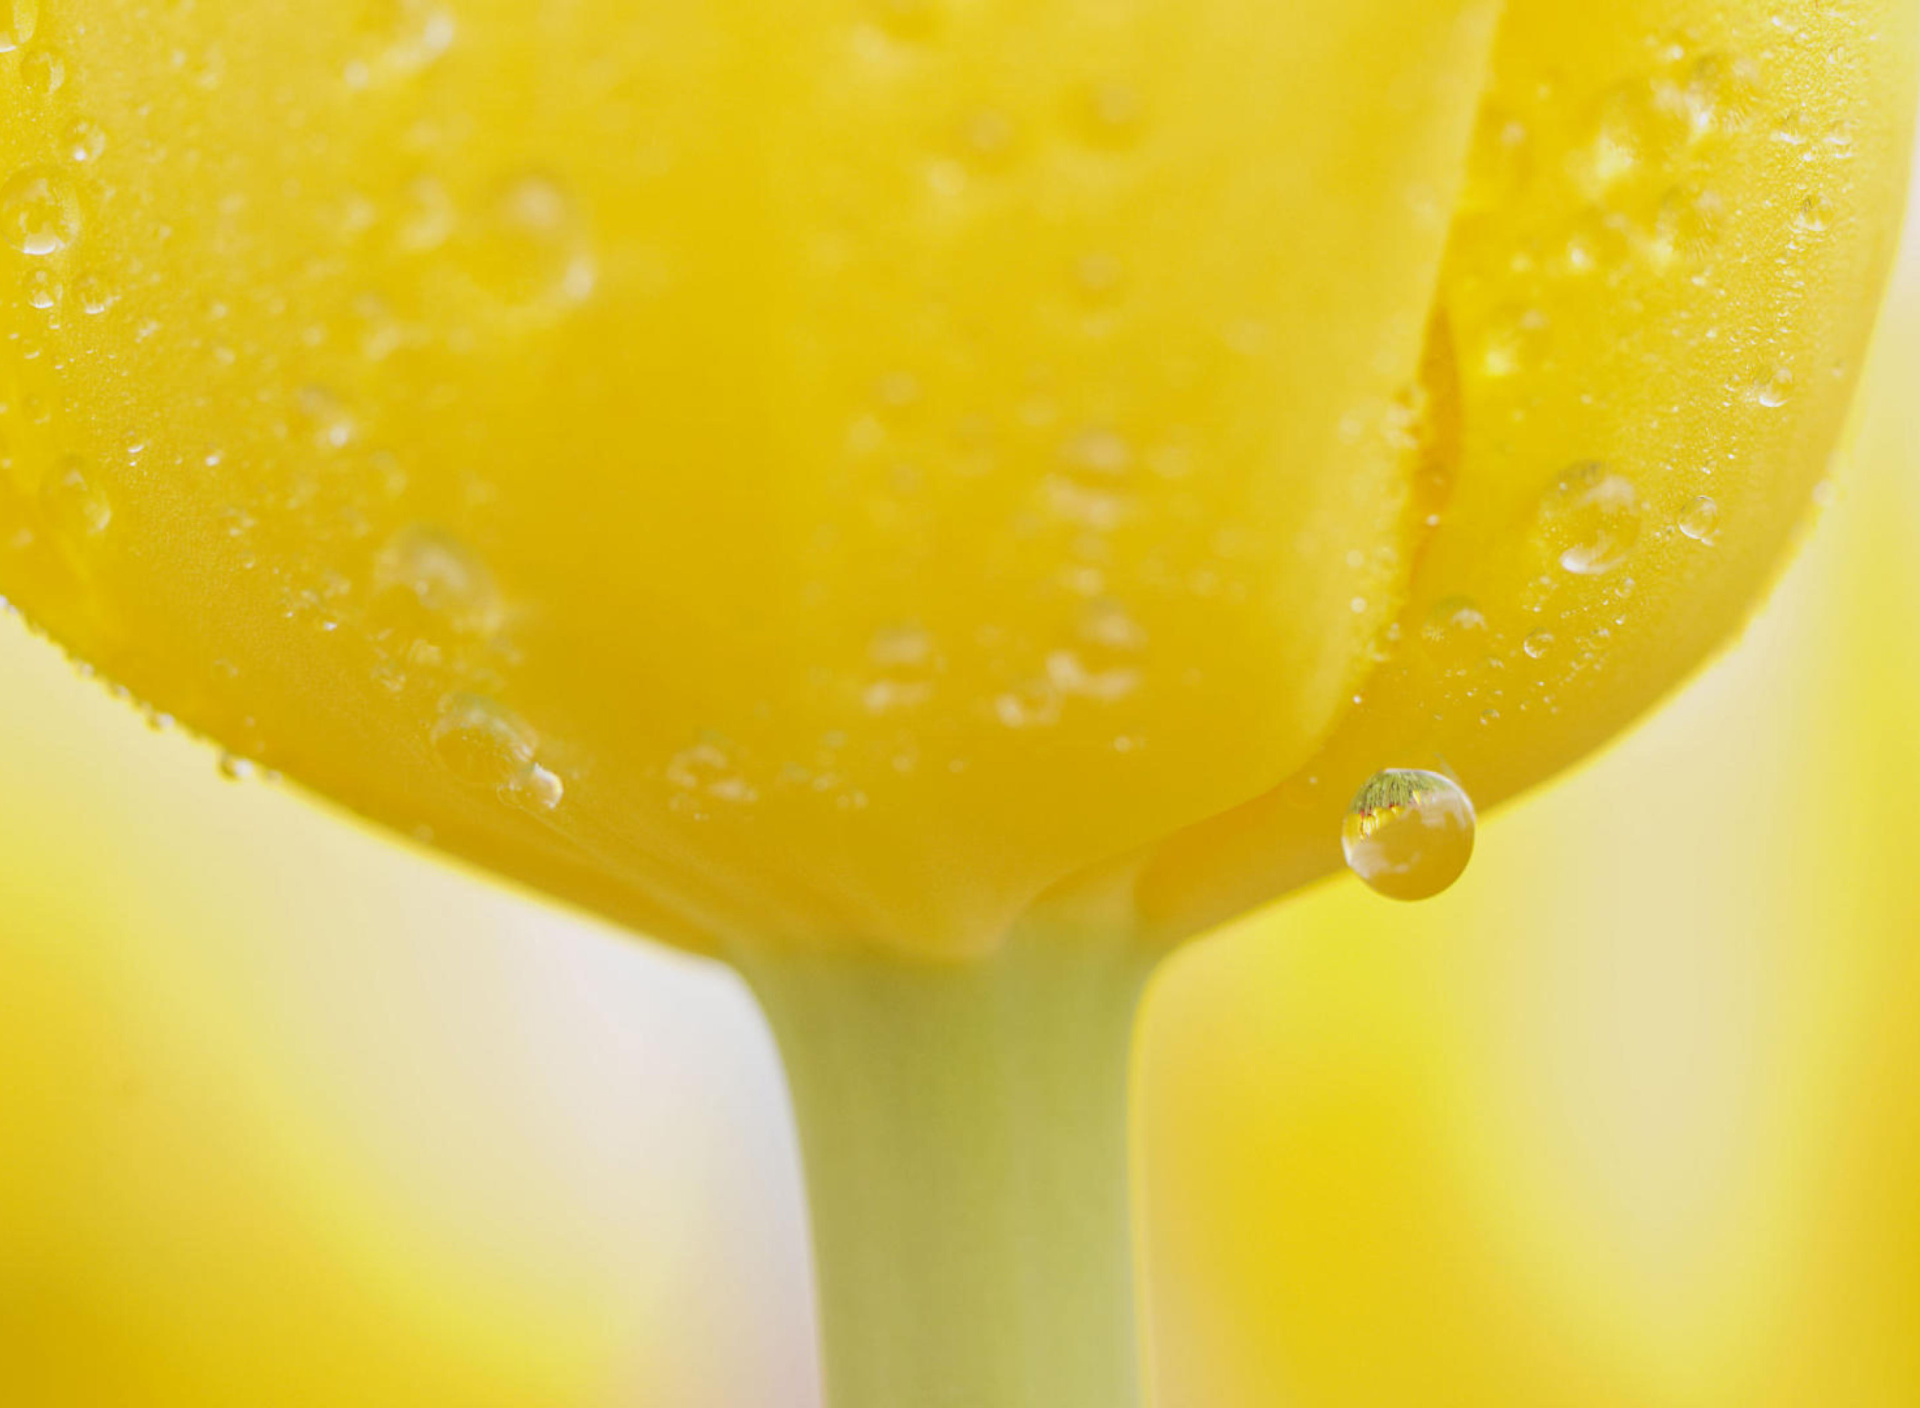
(1632, 1115)
(1659, 293)
(825, 472)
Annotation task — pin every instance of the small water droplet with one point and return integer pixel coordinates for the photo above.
(444, 578)
(530, 247)
(94, 294)
(707, 770)
(1409, 834)
(1455, 634)
(1099, 453)
(1772, 388)
(486, 745)
(39, 212)
(44, 291)
(1513, 341)
(1111, 115)
(326, 415)
(43, 73)
(18, 20)
(76, 505)
(537, 788)
(1035, 704)
(1589, 519)
(1815, 214)
(86, 141)
(235, 768)
(1701, 521)
(1538, 644)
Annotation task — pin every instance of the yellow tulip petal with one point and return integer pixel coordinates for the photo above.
(1659, 291)
(825, 469)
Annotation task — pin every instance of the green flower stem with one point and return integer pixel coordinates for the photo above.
(967, 1148)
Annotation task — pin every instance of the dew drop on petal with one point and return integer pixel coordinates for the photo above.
(18, 20)
(39, 212)
(1701, 521)
(1589, 519)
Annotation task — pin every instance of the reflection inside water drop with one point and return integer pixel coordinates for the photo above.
(1409, 834)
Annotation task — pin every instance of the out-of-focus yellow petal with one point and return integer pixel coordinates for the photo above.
(1633, 1115)
(825, 470)
(1659, 293)
(289, 1117)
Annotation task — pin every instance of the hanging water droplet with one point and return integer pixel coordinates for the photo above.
(1409, 834)
(1701, 521)
(39, 212)
(1589, 519)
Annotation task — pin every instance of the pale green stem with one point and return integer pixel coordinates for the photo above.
(966, 1140)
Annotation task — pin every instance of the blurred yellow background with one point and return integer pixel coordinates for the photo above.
(289, 1115)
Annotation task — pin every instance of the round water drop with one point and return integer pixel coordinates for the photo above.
(86, 141)
(18, 20)
(43, 73)
(1513, 342)
(328, 417)
(39, 212)
(1111, 115)
(1455, 631)
(1099, 453)
(1772, 388)
(486, 745)
(538, 789)
(530, 248)
(78, 507)
(1409, 834)
(94, 294)
(44, 291)
(447, 581)
(1589, 519)
(1701, 521)
(1816, 214)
